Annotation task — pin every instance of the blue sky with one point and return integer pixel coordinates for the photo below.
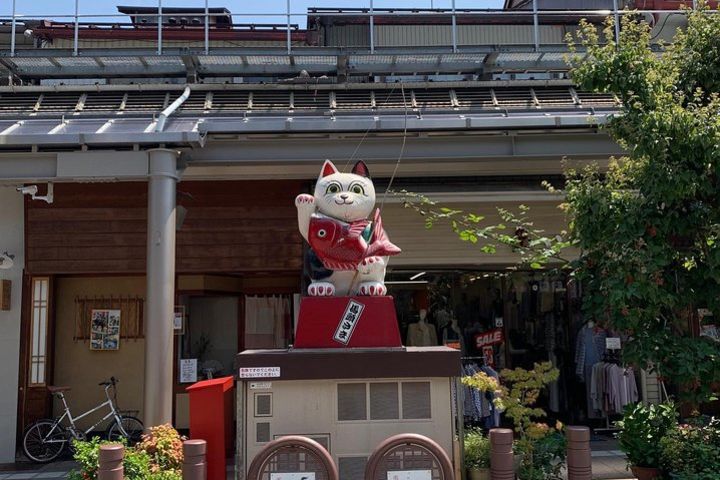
(54, 8)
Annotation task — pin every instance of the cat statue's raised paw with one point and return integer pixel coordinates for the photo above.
(348, 253)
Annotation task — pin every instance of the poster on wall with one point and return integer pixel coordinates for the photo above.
(105, 330)
(179, 320)
(188, 370)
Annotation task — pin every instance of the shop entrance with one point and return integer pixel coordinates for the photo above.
(497, 319)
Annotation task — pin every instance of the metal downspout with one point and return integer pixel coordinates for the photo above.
(171, 109)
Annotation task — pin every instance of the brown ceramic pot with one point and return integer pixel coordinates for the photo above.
(479, 474)
(646, 473)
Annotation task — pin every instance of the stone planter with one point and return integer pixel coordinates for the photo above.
(646, 473)
(478, 474)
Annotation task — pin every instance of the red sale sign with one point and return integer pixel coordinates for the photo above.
(491, 337)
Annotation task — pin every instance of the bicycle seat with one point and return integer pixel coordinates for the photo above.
(55, 390)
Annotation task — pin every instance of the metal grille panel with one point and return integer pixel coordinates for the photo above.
(384, 401)
(262, 432)
(416, 400)
(351, 401)
(352, 468)
(293, 459)
(408, 457)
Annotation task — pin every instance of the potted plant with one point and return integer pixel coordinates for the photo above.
(641, 429)
(477, 454)
(692, 451)
(539, 449)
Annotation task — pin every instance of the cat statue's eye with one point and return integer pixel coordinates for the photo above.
(333, 188)
(358, 189)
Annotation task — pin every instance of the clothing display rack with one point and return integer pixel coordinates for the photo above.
(610, 356)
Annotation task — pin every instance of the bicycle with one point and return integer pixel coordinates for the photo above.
(44, 440)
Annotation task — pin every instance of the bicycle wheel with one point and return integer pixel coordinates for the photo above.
(132, 426)
(44, 441)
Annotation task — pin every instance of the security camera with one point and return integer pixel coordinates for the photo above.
(33, 189)
(28, 190)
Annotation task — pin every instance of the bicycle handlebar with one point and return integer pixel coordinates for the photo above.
(113, 381)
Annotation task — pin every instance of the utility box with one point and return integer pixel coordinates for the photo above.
(211, 419)
(348, 400)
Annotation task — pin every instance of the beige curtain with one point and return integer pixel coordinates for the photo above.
(267, 321)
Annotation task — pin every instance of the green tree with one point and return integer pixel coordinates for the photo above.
(648, 227)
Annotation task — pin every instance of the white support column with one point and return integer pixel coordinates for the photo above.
(160, 301)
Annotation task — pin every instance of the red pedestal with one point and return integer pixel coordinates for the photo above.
(211, 420)
(347, 322)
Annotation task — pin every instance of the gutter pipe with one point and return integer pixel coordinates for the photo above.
(171, 109)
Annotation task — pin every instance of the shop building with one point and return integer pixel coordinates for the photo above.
(177, 201)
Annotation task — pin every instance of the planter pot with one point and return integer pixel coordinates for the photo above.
(646, 473)
(478, 474)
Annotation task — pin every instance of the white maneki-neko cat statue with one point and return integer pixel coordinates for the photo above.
(348, 253)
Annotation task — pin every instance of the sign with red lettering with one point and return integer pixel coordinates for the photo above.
(491, 337)
(489, 356)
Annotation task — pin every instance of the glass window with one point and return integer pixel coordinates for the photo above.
(38, 346)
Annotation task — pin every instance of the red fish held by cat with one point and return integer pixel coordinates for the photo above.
(341, 246)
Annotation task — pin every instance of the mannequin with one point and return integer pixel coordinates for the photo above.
(421, 333)
(452, 333)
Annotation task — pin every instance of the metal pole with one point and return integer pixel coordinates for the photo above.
(77, 28)
(372, 27)
(536, 26)
(289, 41)
(160, 278)
(12, 31)
(160, 21)
(194, 466)
(207, 28)
(617, 22)
(454, 28)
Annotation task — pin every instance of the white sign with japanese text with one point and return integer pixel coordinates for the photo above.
(612, 343)
(188, 370)
(259, 372)
(293, 476)
(409, 475)
(348, 322)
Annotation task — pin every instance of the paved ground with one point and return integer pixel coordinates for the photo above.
(608, 464)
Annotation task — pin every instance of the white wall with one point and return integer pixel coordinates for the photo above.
(11, 239)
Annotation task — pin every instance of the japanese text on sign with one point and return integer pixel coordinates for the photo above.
(491, 337)
(409, 475)
(348, 322)
(259, 372)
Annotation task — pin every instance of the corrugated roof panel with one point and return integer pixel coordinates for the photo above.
(76, 62)
(59, 102)
(267, 100)
(433, 99)
(315, 60)
(220, 60)
(311, 100)
(268, 60)
(370, 59)
(517, 57)
(474, 98)
(144, 101)
(554, 97)
(105, 101)
(514, 97)
(352, 100)
(230, 101)
(21, 102)
(32, 63)
(129, 125)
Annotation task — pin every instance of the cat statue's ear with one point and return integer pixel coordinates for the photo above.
(361, 169)
(328, 169)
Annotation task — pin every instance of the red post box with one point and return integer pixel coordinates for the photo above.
(211, 419)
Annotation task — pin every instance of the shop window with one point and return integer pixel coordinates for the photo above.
(352, 468)
(352, 401)
(39, 325)
(262, 432)
(416, 400)
(263, 404)
(384, 401)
